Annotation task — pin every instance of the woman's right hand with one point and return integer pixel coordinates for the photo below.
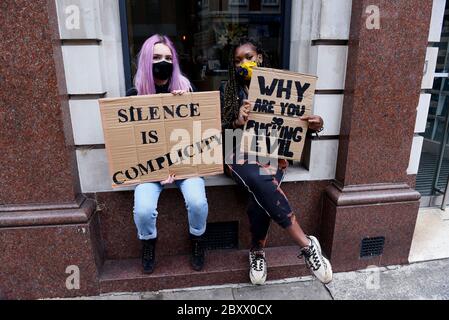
(243, 113)
(169, 180)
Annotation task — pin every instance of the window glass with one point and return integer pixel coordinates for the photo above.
(203, 30)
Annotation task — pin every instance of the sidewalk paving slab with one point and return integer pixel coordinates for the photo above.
(303, 290)
(205, 294)
(417, 281)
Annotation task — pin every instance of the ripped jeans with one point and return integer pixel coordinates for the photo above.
(267, 200)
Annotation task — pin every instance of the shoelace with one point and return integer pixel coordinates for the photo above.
(312, 256)
(148, 252)
(257, 261)
(197, 249)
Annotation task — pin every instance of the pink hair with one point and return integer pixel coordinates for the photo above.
(144, 80)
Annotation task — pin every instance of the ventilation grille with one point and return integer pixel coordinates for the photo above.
(372, 247)
(222, 235)
(427, 166)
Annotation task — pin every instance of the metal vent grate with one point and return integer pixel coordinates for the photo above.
(427, 166)
(372, 247)
(222, 235)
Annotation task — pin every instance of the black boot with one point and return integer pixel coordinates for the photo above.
(197, 258)
(148, 255)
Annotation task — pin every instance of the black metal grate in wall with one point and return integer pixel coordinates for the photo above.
(372, 247)
(424, 178)
(222, 235)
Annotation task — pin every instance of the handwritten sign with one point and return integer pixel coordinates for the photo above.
(149, 137)
(279, 99)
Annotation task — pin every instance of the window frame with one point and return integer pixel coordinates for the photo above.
(268, 4)
(238, 3)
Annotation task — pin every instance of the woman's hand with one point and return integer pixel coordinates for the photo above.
(178, 92)
(170, 179)
(243, 113)
(315, 122)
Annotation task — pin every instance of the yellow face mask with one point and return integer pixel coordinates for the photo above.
(246, 70)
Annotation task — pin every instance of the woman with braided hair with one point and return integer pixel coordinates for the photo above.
(262, 180)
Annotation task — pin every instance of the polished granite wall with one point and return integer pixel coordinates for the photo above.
(46, 225)
(370, 196)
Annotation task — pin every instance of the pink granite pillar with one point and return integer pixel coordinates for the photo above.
(46, 225)
(370, 196)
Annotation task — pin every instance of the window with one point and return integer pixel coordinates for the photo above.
(238, 2)
(270, 2)
(203, 30)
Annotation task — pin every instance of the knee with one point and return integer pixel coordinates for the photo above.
(198, 206)
(284, 220)
(145, 211)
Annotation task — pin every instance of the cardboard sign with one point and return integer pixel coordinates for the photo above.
(279, 98)
(149, 137)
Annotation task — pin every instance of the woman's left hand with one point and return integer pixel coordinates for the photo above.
(171, 178)
(178, 92)
(315, 122)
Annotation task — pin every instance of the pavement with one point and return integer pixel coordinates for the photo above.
(431, 236)
(417, 281)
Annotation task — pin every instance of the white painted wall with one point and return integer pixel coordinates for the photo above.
(86, 122)
(429, 68)
(415, 154)
(316, 20)
(91, 67)
(329, 107)
(329, 62)
(436, 22)
(421, 112)
(333, 19)
(83, 69)
(88, 12)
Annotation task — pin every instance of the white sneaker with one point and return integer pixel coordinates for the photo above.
(257, 267)
(316, 262)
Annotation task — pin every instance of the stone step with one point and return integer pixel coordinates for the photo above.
(222, 267)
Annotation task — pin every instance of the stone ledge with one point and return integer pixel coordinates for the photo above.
(293, 174)
(370, 193)
(222, 267)
(77, 212)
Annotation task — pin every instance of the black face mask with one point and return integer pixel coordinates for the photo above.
(162, 70)
(240, 78)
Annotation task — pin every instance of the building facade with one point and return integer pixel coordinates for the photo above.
(377, 63)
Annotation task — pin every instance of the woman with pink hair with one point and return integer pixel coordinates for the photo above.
(159, 72)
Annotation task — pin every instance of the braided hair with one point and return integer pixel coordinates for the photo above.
(231, 101)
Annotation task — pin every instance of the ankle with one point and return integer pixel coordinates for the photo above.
(197, 244)
(196, 238)
(257, 247)
(306, 244)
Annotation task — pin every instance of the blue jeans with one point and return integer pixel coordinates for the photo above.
(145, 206)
